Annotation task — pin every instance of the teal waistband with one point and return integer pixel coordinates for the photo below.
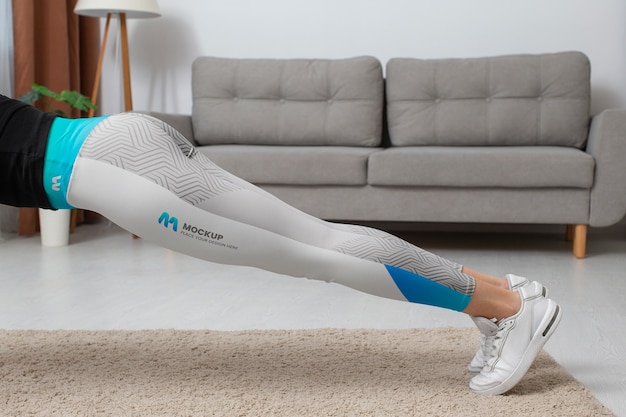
(65, 139)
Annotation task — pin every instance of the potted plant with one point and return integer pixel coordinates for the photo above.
(55, 224)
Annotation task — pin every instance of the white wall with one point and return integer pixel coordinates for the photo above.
(162, 49)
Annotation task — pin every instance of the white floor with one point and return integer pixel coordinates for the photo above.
(106, 280)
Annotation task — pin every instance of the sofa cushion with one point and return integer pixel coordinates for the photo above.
(508, 167)
(294, 165)
(287, 101)
(507, 100)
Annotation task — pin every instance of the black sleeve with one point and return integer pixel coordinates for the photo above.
(23, 139)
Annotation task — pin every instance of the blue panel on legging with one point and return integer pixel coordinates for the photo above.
(418, 289)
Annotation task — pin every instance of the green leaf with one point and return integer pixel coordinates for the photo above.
(73, 98)
(76, 100)
(30, 97)
(46, 92)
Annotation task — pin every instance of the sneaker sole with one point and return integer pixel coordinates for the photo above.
(546, 329)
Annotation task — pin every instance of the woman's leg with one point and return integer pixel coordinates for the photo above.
(143, 175)
(493, 280)
(493, 301)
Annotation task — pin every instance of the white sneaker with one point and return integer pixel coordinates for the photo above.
(514, 343)
(515, 283)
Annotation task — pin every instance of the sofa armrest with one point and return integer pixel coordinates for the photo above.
(180, 122)
(607, 145)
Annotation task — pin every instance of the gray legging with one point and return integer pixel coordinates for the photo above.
(146, 177)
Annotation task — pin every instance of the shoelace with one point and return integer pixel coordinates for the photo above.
(490, 348)
(486, 343)
(493, 343)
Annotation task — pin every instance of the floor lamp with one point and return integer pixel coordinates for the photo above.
(131, 9)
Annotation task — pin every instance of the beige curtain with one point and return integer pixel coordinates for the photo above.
(54, 47)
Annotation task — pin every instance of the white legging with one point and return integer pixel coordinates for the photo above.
(146, 177)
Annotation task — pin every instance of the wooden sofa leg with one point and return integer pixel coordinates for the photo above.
(580, 240)
(569, 233)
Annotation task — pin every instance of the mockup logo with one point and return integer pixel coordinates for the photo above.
(166, 220)
(56, 183)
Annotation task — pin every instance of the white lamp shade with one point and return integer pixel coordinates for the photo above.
(134, 9)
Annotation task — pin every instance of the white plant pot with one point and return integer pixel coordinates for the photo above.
(55, 227)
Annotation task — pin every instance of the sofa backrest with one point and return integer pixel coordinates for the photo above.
(287, 101)
(507, 100)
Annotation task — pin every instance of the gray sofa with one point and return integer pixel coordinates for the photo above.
(505, 139)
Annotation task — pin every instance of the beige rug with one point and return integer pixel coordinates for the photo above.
(267, 373)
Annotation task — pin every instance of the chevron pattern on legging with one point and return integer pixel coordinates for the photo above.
(152, 149)
(382, 247)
